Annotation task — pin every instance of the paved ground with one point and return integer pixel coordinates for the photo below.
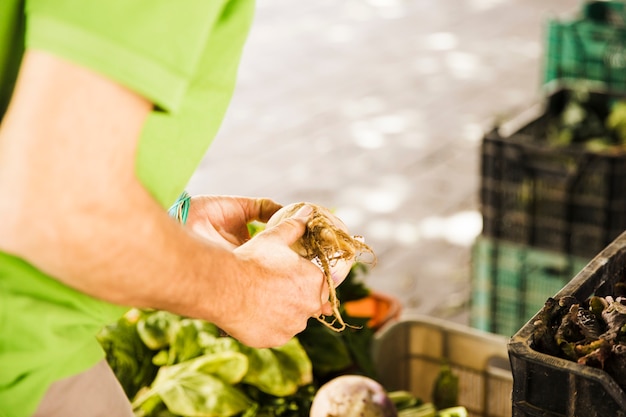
(377, 108)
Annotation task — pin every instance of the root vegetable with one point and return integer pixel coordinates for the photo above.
(352, 395)
(327, 243)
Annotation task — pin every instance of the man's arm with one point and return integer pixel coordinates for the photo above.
(71, 205)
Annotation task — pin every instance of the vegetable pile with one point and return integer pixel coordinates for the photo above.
(591, 332)
(170, 365)
(596, 122)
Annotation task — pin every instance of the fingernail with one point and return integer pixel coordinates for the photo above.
(304, 211)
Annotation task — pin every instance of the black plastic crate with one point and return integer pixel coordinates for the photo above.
(545, 385)
(570, 199)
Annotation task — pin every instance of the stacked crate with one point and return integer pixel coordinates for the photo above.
(549, 208)
(547, 385)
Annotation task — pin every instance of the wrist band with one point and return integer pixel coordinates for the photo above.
(180, 209)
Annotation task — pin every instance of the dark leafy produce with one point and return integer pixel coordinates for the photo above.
(296, 405)
(333, 353)
(175, 366)
(594, 121)
(127, 354)
(203, 386)
(590, 332)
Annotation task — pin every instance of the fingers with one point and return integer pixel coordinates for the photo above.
(292, 229)
(266, 208)
(260, 209)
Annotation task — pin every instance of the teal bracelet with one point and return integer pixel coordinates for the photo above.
(180, 209)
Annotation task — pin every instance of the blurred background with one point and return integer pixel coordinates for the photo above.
(377, 109)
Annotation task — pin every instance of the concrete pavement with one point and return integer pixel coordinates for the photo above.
(376, 108)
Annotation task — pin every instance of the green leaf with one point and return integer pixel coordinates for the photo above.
(161, 358)
(359, 342)
(203, 386)
(200, 395)
(228, 366)
(186, 343)
(424, 410)
(279, 371)
(458, 411)
(128, 356)
(326, 349)
(353, 287)
(220, 344)
(156, 328)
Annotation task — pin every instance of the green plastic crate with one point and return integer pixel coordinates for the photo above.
(591, 47)
(511, 282)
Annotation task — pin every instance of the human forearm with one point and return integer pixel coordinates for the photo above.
(130, 254)
(71, 204)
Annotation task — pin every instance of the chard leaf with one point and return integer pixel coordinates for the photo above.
(128, 356)
(187, 341)
(326, 349)
(278, 371)
(228, 366)
(220, 344)
(202, 387)
(157, 328)
(197, 395)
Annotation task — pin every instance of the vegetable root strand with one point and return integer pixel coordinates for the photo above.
(326, 244)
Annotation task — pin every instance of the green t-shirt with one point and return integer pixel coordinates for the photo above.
(181, 55)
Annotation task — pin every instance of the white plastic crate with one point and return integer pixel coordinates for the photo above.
(408, 355)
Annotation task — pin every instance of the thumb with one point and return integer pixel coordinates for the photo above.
(292, 228)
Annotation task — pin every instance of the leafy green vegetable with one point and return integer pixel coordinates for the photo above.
(198, 395)
(190, 340)
(327, 349)
(457, 411)
(156, 329)
(348, 351)
(278, 371)
(129, 357)
(296, 405)
(200, 387)
(192, 370)
(597, 122)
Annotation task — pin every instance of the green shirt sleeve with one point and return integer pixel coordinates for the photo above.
(152, 47)
(183, 56)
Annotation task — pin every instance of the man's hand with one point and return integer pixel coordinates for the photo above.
(224, 219)
(276, 304)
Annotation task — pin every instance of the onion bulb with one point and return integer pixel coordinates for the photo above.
(327, 243)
